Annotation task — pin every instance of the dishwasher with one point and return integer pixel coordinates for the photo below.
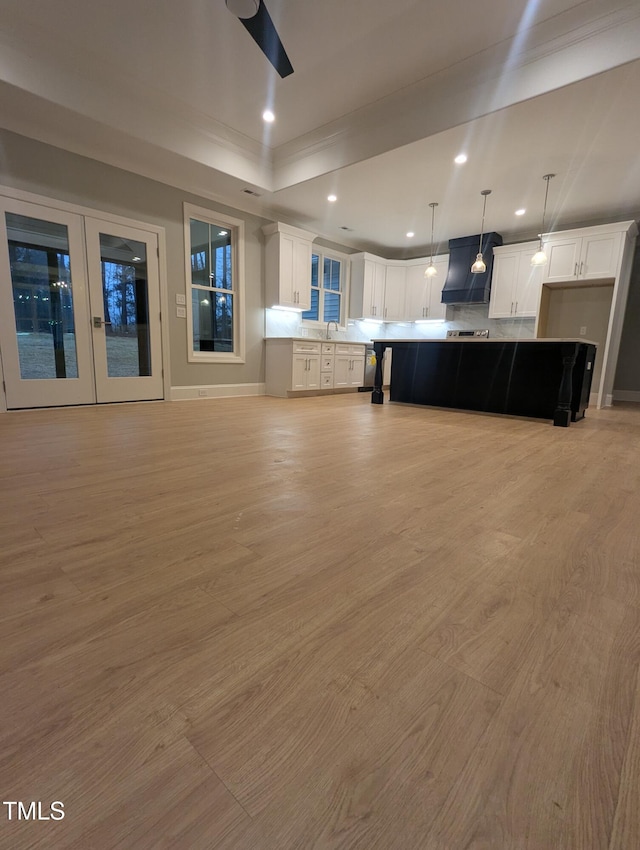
(369, 370)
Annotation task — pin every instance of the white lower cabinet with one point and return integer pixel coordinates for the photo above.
(296, 366)
(516, 285)
(305, 372)
(348, 369)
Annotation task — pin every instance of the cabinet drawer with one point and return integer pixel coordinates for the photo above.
(327, 348)
(300, 347)
(349, 350)
(326, 364)
(326, 380)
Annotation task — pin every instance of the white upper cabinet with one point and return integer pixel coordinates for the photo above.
(288, 266)
(591, 253)
(515, 284)
(394, 293)
(424, 294)
(368, 278)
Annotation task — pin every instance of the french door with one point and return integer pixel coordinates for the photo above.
(79, 309)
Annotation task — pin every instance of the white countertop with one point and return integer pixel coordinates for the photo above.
(313, 339)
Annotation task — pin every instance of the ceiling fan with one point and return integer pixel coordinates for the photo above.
(257, 21)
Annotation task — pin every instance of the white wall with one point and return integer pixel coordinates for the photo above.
(44, 170)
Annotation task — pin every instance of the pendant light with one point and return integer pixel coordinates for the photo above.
(431, 270)
(479, 266)
(540, 258)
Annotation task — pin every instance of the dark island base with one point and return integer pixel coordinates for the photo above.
(543, 379)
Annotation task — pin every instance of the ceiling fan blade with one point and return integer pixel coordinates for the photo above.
(264, 33)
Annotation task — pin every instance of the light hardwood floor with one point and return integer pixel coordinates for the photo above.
(262, 624)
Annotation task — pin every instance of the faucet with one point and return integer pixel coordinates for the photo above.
(332, 322)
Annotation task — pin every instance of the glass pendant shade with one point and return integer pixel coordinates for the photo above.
(479, 267)
(539, 258)
(430, 271)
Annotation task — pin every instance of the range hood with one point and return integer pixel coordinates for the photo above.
(461, 285)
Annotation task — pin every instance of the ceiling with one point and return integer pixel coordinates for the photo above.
(383, 96)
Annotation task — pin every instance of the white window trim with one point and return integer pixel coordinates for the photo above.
(236, 225)
(345, 268)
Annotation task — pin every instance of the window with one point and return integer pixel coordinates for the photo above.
(327, 289)
(215, 278)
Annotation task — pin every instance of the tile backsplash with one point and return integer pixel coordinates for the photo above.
(286, 323)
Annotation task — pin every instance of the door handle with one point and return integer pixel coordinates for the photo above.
(98, 322)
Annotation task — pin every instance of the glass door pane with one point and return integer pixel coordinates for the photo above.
(42, 297)
(126, 308)
(44, 325)
(124, 286)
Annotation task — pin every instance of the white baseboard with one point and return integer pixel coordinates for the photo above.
(215, 391)
(626, 395)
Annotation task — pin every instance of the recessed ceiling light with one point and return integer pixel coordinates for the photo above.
(411, 234)
(462, 157)
(135, 259)
(332, 198)
(222, 233)
(268, 116)
(520, 212)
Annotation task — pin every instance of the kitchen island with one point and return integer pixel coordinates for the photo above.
(540, 378)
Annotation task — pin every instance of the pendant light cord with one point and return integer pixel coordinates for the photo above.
(546, 178)
(433, 212)
(484, 192)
